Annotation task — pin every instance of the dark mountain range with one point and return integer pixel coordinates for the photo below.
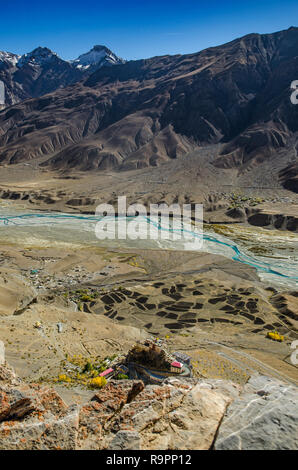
(42, 71)
(145, 112)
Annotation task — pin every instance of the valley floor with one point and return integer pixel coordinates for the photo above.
(216, 310)
(228, 197)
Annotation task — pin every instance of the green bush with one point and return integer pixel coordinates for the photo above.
(122, 377)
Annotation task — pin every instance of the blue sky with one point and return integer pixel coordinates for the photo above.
(137, 29)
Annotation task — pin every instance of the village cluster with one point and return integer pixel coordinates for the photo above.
(148, 361)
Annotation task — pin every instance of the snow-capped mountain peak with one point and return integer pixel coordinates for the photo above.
(42, 71)
(38, 56)
(97, 56)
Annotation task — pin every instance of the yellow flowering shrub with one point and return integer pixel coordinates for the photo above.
(98, 382)
(275, 336)
(64, 378)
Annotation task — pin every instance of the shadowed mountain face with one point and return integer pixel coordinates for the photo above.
(289, 177)
(143, 113)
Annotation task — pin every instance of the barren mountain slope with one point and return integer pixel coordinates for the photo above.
(145, 112)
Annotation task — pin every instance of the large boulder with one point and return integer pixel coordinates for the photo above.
(175, 415)
(264, 417)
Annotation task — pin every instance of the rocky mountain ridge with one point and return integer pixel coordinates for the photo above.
(42, 71)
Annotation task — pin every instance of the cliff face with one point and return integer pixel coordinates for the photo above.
(191, 414)
(143, 113)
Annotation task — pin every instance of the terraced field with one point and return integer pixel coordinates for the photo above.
(171, 306)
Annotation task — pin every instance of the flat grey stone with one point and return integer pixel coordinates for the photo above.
(126, 440)
(265, 416)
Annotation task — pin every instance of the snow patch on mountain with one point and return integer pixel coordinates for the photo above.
(38, 56)
(9, 58)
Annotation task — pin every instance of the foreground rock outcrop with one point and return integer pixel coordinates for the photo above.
(34, 417)
(127, 415)
(265, 416)
(175, 415)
